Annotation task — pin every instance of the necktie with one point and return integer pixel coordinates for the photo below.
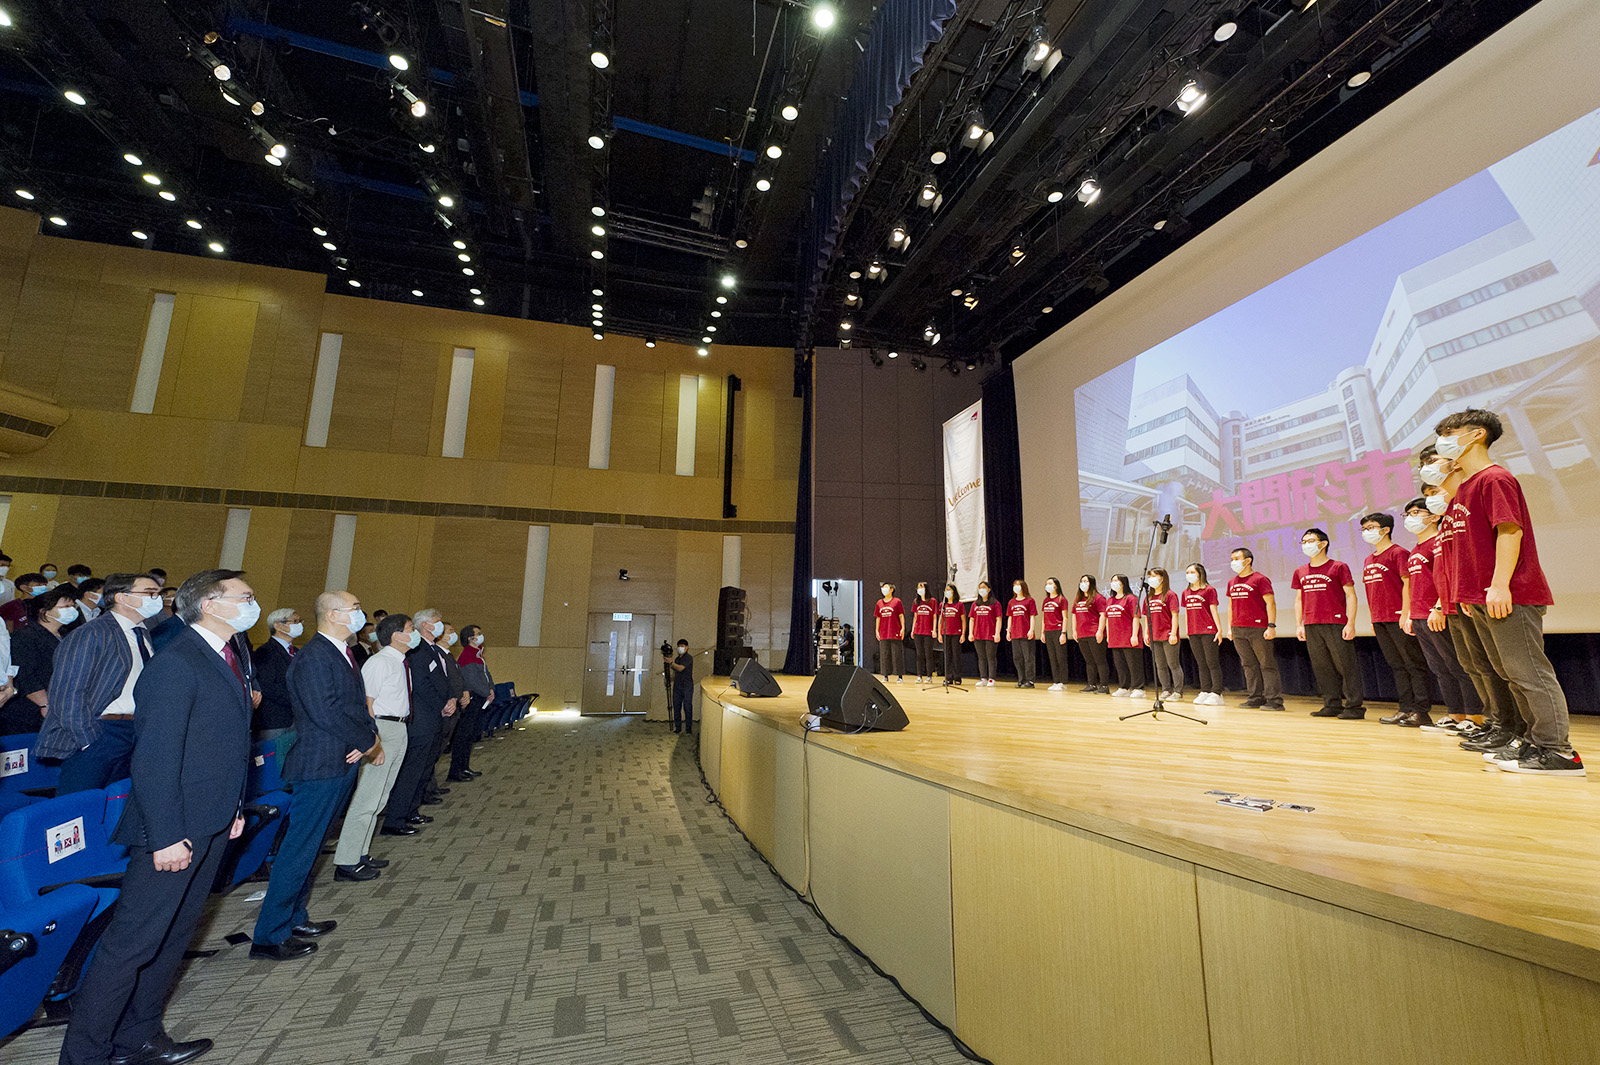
(144, 648)
(291, 651)
(233, 662)
(351, 657)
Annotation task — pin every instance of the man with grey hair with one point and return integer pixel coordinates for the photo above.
(274, 717)
(432, 700)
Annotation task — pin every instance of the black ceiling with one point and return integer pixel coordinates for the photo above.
(684, 112)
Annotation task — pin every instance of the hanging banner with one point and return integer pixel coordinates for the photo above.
(966, 540)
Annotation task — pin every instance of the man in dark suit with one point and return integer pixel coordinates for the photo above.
(90, 721)
(189, 762)
(274, 719)
(335, 732)
(432, 700)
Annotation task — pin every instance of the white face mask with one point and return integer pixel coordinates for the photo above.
(1311, 550)
(66, 615)
(372, 637)
(477, 641)
(49, 574)
(245, 615)
(1415, 523)
(1116, 587)
(1152, 581)
(1016, 589)
(4, 570)
(1438, 504)
(450, 640)
(295, 629)
(79, 580)
(1050, 586)
(1083, 586)
(983, 593)
(886, 591)
(437, 629)
(949, 595)
(413, 638)
(1192, 577)
(1432, 473)
(1237, 564)
(358, 619)
(682, 650)
(149, 606)
(1372, 536)
(1449, 447)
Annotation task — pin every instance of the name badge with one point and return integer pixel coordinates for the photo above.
(432, 666)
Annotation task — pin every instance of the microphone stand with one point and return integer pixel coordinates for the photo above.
(1157, 708)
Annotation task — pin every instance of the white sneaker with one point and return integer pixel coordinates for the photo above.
(1057, 687)
(1202, 699)
(1137, 693)
(1119, 693)
(1216, 698)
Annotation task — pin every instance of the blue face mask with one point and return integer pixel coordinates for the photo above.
(412, 639)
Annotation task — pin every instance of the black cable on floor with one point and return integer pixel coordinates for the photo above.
(711, 797)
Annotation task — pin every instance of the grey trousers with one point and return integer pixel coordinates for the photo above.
(1410, 666)
(1261, 681)
(1169, 667)
(1514, 647)
(373, 784)
(1334, 664)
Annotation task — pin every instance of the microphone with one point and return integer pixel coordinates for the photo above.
(1166, 526)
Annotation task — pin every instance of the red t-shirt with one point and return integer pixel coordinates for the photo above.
(1247, 603)
(1122, 614)
(1321, 591)
(1382, 574)
(1054, 609)
(1162, 610)
(985, 614)
(953, 616)
(891, 616)
(1419, 568)
(1197, 604)
(1021, 612)
(1489, 498)
(1086, 616)
(923, 612)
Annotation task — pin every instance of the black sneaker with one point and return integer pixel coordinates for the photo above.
(1353, 713)
(1545, 762)
(1510, 751)
(1251, 704)
(1102, 690)
(1328, 711)
(1487, 739)
(1272, 706)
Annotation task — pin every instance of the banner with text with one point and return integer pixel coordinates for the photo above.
(966, 540)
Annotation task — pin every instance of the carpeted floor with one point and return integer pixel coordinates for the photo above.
(580, 903)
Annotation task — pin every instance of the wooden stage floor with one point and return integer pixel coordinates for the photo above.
(1405, 825)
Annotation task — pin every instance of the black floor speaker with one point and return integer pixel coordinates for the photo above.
(752, 678)
(724, 660)
(852, 699)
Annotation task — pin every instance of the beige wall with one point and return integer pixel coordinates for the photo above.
(230, 417)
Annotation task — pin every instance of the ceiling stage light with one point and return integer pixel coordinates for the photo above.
(192, 223)
(57, 220)
(139, 234)
(600, 60)
(399, 62)
(75, 97)
(132, 159)
(823, 16)
(168, 196)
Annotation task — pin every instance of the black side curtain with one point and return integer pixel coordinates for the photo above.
(1002, 490)
(802, 656)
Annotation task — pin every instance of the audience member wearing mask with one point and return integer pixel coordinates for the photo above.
(448, 640)
(432, 701)
(90, 594)
(34, 648)
(364, 644)
(1119, 626)
(1203, 623)
(274, 717)
(1252, 626)
(90, 723)
(1160, 622)
(17, 613)
(952, 630)
(1053, 610)
(1325, 616)
(1088, 606)
(480, 687)
(165, 624)
(1020, 614)
(1388, 588)
(1426, 621)
(8, 587)
(48, 572)
(384, 680)
(77, 573)
(891, 618)
(924, 616)
(17, 716)
(985, 613)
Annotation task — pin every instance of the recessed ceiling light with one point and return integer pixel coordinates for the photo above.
(215, 246)
(1046, 309)
(762, 184)
(728, 281)
(25, 194)
(596, 141)
(1359, 79)
(192, 223)
(329, 245)
(741, 243)
(132, 159)
(722, 299)
(280, 150)
(416, 292)
(139, 234)
(56, 219)
(599, 335)
(598, 231)
(459, 245)
(1161, 223)
(716, 314)
(168, 196)
(596, 307)
(596, 292)
(938, 157)
(273, 159)
(463, 256)
(599, 59)
(476, 291)
(399, 62)
(477, 300)
(319, 231)
(597, 254)
(5, 19)
(151, 179)
(702, 352)
(774, 151)
(447, 201)
(469, 271)
(855, 275)
(649, 343)
(353, 283)
(1225, 31)
(430, 149)
(74, 96)
(229, 97)
(419, 109)
(711, 329)
(598, 211)
(258, 109)
(705, 340)
(823, 16)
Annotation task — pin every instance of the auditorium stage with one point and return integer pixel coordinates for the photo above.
(1058, 885)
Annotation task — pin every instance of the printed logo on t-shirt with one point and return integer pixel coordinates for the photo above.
(13, 763)
(64, 839)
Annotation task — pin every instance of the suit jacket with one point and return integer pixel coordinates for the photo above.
(430, 686)
(330, 712)
(453, 674)
(272, 678)
(192, 746)
(91, 667)
(166, 631)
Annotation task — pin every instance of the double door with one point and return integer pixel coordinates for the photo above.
(623, 670)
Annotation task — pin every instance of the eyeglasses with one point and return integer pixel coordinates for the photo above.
(248, 597)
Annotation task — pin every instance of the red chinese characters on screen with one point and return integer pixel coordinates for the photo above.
(1330, 490)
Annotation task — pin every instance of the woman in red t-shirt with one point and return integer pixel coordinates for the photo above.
(985, 613)
(1119, 628)
(1053, 610)
(952, 630)
(924, 612)
(1204, 626)
(891, 615)
(1020, 613)
(1160, 624)
(1087, 609)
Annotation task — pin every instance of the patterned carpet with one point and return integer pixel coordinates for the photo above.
(580, 903)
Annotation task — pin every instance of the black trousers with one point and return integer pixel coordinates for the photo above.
(118, 1007)
(422, 750)
(1334, 664)
(1058, 657)
(1094, 659)
(1455, 687)
(988, 657)
(952, 658)
(891, 658)
(683, 707)
(925, 655)
(1405, 658)
(1130, 666)
(430, 783)
(1208, 658)
(466, 735)
(1025, 656)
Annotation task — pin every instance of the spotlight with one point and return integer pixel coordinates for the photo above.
(75, 97)
(600, 60)
(399, 62)
(419, 106)
(929, 193)
(649, 342)
(329, 245)
(416, 292)
(898, 235)
(430, 149)
(597, 254)
(971, 302)
(596, 141)
(762, 184)
(5, 19)
(477, 301)
(722, 299)
(789, 112)
(1359, 79)
(702, 352)
(280, 151)
(132, 159)
(1038, 49)
(25, 194)
(215, 246)
(168, 196)
(774, 151)
(229, 97)
(139, 234)
(918, 365)
(823, 16)
(728, 281)
(852, 297)
(929, 332)
(222, 72)
(1019, 252)
(273, 159)
(192, 223)
(353, 283)
(975, 128)
(1191, 98)
(464, 257)
(1226, 27)
(938, 157)
(846, 325)
(844, 342)
(1089, 191)
(598, 211)
(468, 271)
(57, 220)
(1055, 194)
(446, 200)
(875, 269)
(319, 231)
(258, 109)
(598, 231)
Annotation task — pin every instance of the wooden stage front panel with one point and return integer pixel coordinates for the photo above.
(1043, 876)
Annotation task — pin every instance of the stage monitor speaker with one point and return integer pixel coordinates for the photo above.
(725, 659)
(852, 699)
(752, 678)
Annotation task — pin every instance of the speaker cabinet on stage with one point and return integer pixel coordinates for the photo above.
(731, 618)
(852, 699)
(724, 660)
(752, 678)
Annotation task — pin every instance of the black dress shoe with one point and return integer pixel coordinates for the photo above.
(473, 773)
(374, 863)
(313, 929)
(419, 819)
(288, 950)
(162, 1050)
(357, 873)
(443, 791)
(456, 779)
(397, 830)
(432, 802)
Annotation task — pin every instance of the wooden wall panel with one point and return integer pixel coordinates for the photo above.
(749, 776)
(305, 567)
(209, 357)
(709, 427)
(576, 414)
(184, 538)
(17, 230)
(636, 419)
(30, 529)
(475, 573)
(365, 393)
(40, 329)
(415, 400)
(266, 552)
(101, 357)
(384, 561)
(530, 409)
(107, 535)
(647, 555)
(1073, 947)
(486, 409)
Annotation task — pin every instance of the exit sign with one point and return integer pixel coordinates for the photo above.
(621, 617)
